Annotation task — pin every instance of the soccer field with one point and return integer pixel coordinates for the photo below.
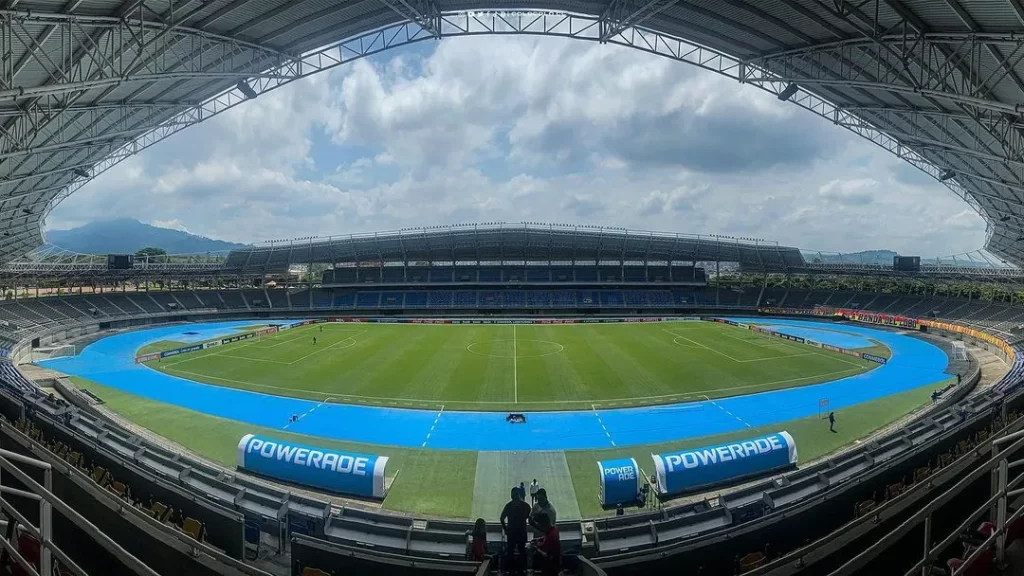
(507, 367)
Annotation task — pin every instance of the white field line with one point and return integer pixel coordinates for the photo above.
(515, 368)
(703, 346)
(753, 341)
(699, 395)
(431, 431)
(236, 346)
(737, 360)
(325, 348)
(252, 359)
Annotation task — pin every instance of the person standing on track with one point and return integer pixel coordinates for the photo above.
(831, 421)
(533, 491)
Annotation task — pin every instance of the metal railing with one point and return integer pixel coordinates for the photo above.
(995, 509)
(48, 502)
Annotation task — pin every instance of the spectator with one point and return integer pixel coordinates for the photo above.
(513, 521)
(548, 547)
(478, 547)
(542, 507)
(533, 491)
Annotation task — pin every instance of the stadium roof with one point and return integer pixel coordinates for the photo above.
(87, 83)
(514, 243)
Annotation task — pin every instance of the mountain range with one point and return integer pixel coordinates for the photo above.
(127, 236)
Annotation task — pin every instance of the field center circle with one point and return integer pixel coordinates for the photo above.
(516, 352)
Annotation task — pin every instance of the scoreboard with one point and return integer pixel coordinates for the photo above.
(120, 261)
(906, 263)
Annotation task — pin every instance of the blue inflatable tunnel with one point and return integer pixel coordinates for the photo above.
(341, 472)
(688, 470)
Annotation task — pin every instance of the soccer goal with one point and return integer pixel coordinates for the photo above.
(960, 351)
(54, 352)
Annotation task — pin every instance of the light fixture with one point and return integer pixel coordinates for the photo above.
(246, 90)
(788, 92)
(947, 175)
(81, 172)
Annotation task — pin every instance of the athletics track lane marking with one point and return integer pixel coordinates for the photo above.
(716, 405)
(306, 413)
(598, 416)
(431, 431)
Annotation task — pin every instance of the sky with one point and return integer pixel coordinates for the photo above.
(526, 129)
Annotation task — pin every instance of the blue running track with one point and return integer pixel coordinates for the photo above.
(110, 362)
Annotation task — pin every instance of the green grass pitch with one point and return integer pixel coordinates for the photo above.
(500, 367)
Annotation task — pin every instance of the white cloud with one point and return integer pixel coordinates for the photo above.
(174, 224)
(525, 129)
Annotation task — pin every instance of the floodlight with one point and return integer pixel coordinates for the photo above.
(947, 175)
(246, 90)
(788, 92)
(81, 172)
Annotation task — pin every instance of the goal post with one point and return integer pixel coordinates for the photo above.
(959, 350)
(54, 352)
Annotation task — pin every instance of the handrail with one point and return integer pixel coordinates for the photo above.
(49, 501)
(998, 464)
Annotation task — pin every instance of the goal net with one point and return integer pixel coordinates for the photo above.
(959, 351)
(54, 352)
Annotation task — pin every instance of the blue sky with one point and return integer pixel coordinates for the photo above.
(529, 129)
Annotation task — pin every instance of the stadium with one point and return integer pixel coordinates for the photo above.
(351, 404)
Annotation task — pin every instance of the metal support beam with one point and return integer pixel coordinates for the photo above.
(423, 13)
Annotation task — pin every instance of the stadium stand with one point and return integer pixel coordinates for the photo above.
(233, 517)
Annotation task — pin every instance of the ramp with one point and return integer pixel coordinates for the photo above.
(498, 472)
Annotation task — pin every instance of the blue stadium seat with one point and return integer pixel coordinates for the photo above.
(514, 299)
(437, 299)
(465, 299)
(368, 300)
(416, 299)
(538, 299)
(611, 298)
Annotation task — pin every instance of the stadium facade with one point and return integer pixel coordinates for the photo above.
(830, 515)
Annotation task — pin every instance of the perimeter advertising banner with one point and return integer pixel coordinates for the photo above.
(341, 472)
(175, 352)
(147, 357)
(620, 481)
(873, 358)
(691, 469)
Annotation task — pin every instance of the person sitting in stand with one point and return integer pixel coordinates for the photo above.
(548, 547)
